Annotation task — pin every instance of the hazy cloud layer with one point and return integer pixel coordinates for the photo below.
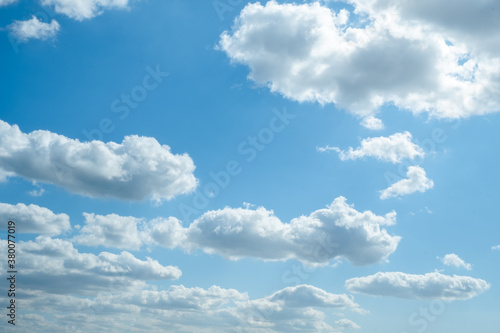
(34, 219)
(336, 231)
(110, 231)
(136, 169)
(308, 52)
(417, 181)
(427, 286)
(473, 23)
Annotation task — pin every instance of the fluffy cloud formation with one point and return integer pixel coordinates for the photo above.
(497, 247)
(55, 266)
(184, 309)
(4, 175)
(128, 232)
(452, 259)
(33, 29)
(135, 169)
(372, 123)
(338, 231)
(34, 219)
(417, 181)
(428, 286)
(84, 9)
(393, 149)
(308, 52)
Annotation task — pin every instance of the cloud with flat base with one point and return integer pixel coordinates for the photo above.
(138, 168)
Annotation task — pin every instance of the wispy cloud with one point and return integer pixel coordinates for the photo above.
(6, 2)
(84, 9)
(34, 219)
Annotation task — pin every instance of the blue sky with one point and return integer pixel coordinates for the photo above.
(230, 166)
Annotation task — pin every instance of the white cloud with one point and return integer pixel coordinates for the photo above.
(497, 247)
(347, 324)
(372, 123)
(393, 149)
(84, 9)
(167, 232)
(34, 219)
(180, 297)
(292, 309)
(110, 231)
(474, 23)
(417, 181)
(33, 29)
(6, 2)
(54, 266)
(37, 193)
(305, 295)
(452, 259)
(338, 231)
(185, 309)
(307, 52)
(135, 169)
(428, 286)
